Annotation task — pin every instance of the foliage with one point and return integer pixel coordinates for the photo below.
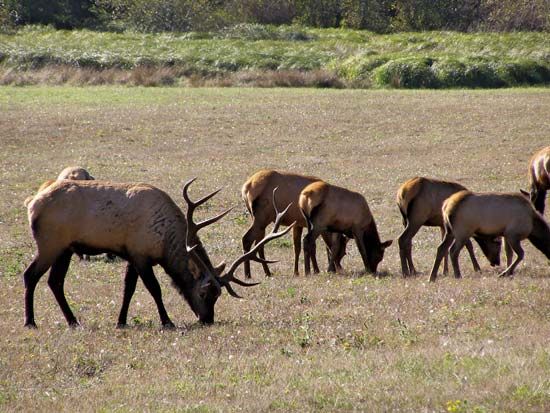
(381, 16)
(336, 56)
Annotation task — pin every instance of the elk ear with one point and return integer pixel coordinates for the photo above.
(219, 268)
(387, 244)
(527, 194)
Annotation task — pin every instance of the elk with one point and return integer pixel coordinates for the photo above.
(509, 215)
(75, 172)
(70, 172)
(142, 225)
(256, 194)
(420, 200)
(331, 208)
(539, 178)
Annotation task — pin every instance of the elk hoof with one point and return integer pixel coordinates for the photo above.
(168, 326)
(31, 325)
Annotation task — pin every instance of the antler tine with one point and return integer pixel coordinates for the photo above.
(185, 188)
(192, 227)
(209, 221)
(251, 255)
(279, 214)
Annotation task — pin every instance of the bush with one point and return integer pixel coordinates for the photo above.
(406, 73)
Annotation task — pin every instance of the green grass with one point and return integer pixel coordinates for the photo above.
(348, 342)
(358, 58)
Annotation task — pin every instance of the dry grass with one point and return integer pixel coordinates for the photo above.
(165, 76)
(323, 343)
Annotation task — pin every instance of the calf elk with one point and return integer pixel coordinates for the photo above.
(331, 208)
(491, 214)
(139, 223)
(257, 195)
(420, 200)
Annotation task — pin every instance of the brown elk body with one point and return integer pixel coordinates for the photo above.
(331, 208)
(420, 200)
(539, 178)
(257, 195)
(137, 222)
(509, 215)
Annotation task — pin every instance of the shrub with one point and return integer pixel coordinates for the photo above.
(406, 73)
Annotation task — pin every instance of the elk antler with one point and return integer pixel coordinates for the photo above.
(192, 227)
(229, 276)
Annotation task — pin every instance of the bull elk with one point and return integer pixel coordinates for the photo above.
(420, 200)
(510, 215)
(331, 208)
(539, 178)
(257, 195)
(142, 225)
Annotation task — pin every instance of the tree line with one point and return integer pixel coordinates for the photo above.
(382, 16)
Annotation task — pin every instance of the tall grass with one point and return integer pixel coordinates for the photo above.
(356, 58)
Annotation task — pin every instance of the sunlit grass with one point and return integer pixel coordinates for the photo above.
(511, 58)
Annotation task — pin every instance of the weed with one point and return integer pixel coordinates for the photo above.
(303, 336)
(405, 332)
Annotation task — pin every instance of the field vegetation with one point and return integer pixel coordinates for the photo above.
(349, 342)
(249, 54)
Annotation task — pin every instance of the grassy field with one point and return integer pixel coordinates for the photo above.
(253, 54)
(347, 342)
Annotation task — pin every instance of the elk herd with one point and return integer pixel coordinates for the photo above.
(76, 214)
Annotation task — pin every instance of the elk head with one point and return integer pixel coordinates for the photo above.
(208, 288)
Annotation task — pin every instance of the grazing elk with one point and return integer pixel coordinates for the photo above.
(420, 200)
(257, 195)
(331, 208)
(76, 173)
(510, 215)
(539, 178)
(138, 223)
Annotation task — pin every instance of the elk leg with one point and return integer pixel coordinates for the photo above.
(442, 249)
(314, 259)
(31, 276)
(339, 243)
(455, 252)
(327, 237)
(446, 256)
(309, 250)
(333, 242)
(509, 253)
(297, 241)
(470, 249)
(56, 281)
(150, 281)
(130, 281)
(516, 246)
(405, 249)
(248, 240)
